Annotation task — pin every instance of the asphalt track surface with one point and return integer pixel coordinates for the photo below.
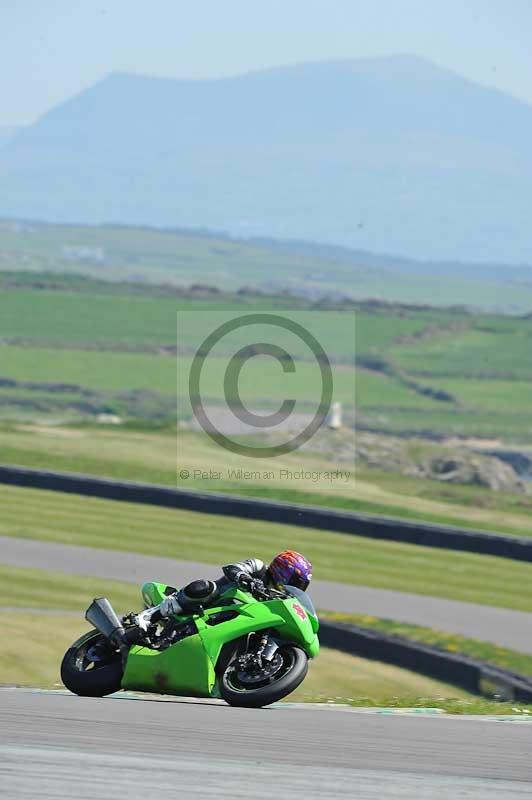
(501, 626)
(55, 745)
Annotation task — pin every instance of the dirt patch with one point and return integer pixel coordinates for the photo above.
(224, 421)
(418, 458)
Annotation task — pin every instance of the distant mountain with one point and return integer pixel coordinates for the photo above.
(393, 155)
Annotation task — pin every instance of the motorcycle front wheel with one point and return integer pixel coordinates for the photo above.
(91, 668)
(254, 686)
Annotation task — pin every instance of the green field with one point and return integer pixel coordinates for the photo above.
(261, 378)
(22, 588)
(98, 371)
(493, 348)
(113, 340)
(174, 257)
(505, 425)
(132, 316)
(490, 395)
(483, 408)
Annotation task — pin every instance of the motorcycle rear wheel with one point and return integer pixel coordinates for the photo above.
(237, 692)
(88, 676)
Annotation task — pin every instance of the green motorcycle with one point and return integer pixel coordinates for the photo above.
(251, 649)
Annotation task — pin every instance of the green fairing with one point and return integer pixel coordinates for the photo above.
(181, 669)
(188, 666)
(153, 593)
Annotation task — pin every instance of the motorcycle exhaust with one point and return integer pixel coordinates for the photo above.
(103, 617)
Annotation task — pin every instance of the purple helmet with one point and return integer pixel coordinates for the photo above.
(291, 569)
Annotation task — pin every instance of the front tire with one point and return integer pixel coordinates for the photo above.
(91, 668)
(237, 689)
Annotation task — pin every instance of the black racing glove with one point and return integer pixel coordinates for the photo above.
(248, 583)
(243, 580)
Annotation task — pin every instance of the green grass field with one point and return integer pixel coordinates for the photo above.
(342, 678)
(98, 371)
(49, 516)
(261, 379)
(127, 319)
(143, 254)
(487, 349)
(100, 339)
(505, 426)
(491, 396)
(158, 458)
(23, 588)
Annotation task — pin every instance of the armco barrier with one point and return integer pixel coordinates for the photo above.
(468, 673)
(371, 526)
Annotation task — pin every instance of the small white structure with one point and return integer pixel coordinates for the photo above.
(334, 418)
(109, 419)
(83, 253)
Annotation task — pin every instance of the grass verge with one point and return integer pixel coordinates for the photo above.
(339, 677)
(58, 591)
(452, 705)
(450, 642)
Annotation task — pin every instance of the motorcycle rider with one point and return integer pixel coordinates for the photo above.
(287, 568)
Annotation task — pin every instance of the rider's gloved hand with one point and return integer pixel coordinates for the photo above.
(170, 605)
(243, 580)
(247, 582)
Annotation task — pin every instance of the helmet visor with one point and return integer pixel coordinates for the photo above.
(299, 582)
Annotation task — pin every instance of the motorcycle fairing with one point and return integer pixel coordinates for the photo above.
(188, 666)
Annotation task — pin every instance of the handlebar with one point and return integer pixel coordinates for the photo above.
(261, 592)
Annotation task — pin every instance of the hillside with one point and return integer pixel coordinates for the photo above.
(389, 155)
(441, 396)
(80, 347)
(176, 258)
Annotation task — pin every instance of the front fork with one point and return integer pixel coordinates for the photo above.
(266, 650)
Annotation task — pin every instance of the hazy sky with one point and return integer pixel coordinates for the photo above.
(51, 49)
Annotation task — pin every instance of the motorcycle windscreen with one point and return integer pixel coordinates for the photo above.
(303, 598)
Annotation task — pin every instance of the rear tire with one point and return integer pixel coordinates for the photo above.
(295, 667)
(89, 678)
